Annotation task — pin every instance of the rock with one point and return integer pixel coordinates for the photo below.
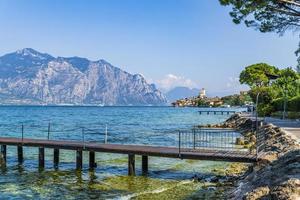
(239, 141)
(257, 194)
(289, 190)
(268, 157)
(253, 138)
(213, 179)
(277, 174)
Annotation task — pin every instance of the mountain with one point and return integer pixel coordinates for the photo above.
(181, 93)
(30, 77)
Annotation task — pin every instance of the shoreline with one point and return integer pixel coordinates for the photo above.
(277, 174)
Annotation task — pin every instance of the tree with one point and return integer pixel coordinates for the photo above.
(201, 102)
(287, 83)
(257, 75)
(267, 15)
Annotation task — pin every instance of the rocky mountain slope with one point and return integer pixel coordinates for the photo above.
(31, 77)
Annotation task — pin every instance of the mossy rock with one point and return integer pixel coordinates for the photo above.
(239, 141)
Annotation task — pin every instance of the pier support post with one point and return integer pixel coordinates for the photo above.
(3, 152)
(144, 165)
(20, 154)
(55, 158)
(79, 159)
(131, 165)
(41, 157)
(92, 163)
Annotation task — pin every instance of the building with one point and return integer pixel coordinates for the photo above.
(202, 93)
(216, 101)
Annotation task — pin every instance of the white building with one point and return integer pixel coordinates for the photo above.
(202, 93)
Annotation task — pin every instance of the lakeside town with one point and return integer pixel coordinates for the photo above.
(242, 99)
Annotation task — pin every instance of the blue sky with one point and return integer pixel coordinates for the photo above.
(171, 42)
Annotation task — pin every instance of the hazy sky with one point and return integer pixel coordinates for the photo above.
(171, 42)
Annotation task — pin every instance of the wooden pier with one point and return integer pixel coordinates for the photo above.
(130, 150)
(215, 112)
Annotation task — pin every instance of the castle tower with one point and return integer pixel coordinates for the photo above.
(202, 93)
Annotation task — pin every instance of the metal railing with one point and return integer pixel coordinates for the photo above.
(57, 131)
(260, 138)
(209, 139)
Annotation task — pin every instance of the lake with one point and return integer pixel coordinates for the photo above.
(167, 179)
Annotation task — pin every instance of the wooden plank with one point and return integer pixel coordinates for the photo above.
(171, 152)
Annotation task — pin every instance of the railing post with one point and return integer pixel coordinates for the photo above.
(194, 138)
(259, 138)
(83, 142)
(105, 140)
(22, 129)
(179, 144)
(48, 131)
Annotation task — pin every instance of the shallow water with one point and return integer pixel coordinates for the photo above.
(167, 179)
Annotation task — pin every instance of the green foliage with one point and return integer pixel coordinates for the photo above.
(265, 109)
(290, 115)
(287, 84)
(294, 104)
(266, 15)
(272, 94)
(201, 102)
(266, 94)
(257, 75)
(236, 100)
(278, 104)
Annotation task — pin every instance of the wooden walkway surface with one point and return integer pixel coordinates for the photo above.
(170, 152)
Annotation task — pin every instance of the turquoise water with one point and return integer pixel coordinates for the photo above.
(168, 178)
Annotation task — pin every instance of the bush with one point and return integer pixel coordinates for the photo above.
(294, 104)
(290, 115)
(278, 104)
(294, 115)
(265, 109)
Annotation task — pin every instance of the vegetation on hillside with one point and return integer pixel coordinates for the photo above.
(237, 99)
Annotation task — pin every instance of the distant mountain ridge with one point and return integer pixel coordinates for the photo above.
(181, 93)
(30, 77)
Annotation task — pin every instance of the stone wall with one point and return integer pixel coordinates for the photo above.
(277, 174)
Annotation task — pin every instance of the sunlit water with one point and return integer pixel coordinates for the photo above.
(167, 179)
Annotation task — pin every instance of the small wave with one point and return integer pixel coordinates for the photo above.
(156, 191)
